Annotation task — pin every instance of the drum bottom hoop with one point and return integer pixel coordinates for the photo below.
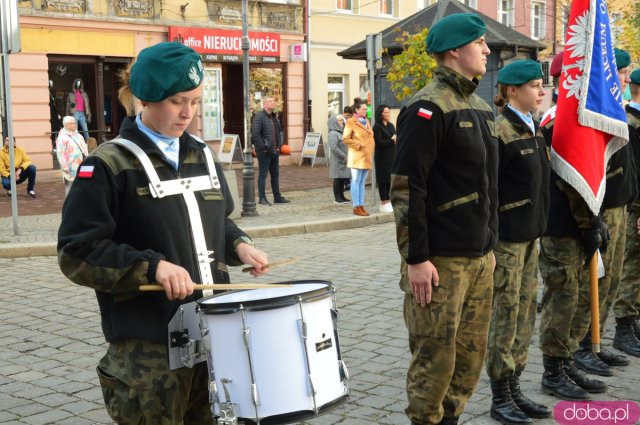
(288, 418)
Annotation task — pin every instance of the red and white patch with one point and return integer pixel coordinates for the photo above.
(425, 113)
(85, 172)
(548, 116)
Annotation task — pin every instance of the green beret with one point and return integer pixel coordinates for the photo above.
(454, 31)
(165, 69)
(635, 77)
(519, 72)
(623, 59)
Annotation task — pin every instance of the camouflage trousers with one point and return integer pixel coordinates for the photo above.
(613, 259)
(139, 388)
(561, 264)
(627, 303)
(513, 316)
(448, 337)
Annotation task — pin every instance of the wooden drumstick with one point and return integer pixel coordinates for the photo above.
(273, 264)
(220, 286)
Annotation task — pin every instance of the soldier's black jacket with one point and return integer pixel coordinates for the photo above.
(569, 214)
(633, 120)
(113, 233)
(622, 185)
(523, 179)
(444, 177)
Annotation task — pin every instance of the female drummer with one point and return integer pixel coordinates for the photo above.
(116, 235)
(523, 193)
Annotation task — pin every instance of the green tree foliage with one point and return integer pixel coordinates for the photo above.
(412, 69)
(629, 39)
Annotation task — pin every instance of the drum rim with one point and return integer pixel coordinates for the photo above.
(271, 303)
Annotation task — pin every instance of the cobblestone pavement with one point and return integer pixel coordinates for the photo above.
(51, 336)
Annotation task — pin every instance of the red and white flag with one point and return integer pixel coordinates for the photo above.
(425, 113)
(590, 122)
(85, 171)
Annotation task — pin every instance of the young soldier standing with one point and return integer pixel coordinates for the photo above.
(444, 194)
(523, 192)
(626, 306)
(621, 190)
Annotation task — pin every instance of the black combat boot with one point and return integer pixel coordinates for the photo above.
(449, 420)
(586, 360)
(503, 408)
(636, 327)
(594, 386)
(555, 381)
(625, 339)
(529, 407)
(613, 359)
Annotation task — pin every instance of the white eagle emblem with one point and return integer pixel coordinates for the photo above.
(193, 75)
(577, 45)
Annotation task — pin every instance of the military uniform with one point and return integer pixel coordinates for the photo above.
(444, 195)
(114, 234)
(523, 187)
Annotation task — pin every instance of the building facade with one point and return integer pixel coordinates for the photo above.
(94, 40)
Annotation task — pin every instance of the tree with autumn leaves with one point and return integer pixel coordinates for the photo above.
(412, 69)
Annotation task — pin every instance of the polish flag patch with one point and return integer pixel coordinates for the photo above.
(424, 113)
(85, 172)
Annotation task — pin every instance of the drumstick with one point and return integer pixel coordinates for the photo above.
(273, 264)
(220, 286)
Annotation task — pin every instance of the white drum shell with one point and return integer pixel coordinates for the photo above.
(278, 356)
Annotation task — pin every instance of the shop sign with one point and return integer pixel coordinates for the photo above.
(218, 45)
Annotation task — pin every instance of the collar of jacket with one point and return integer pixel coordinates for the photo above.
(458, 82)
(633, 111)
(357, 122)
(517, 121)
(129, 130)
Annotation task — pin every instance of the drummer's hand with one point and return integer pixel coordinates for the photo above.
(174, 279)
(253, 257)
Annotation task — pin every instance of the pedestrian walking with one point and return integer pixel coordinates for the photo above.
(71, 150)
(445, 198)
(118, 232)
(523, 193)
(358, 136)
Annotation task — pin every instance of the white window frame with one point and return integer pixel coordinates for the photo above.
(338, 88)
(341, 10)
(542, 28)
(393, 7)
(509, 14)
(471, 3)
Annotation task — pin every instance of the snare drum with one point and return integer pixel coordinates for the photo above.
(274, 353)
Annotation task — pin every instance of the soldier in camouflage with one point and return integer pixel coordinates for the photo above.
(114, 236)
(626, 306)
(621, 189)
(444, 195)
(523, 193)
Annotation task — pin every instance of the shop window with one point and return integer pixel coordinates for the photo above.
(386, 7)
(344, 5)
(335, 95)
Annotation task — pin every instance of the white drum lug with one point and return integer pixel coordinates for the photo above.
(345, 371)
(303, 329)
(246, 333)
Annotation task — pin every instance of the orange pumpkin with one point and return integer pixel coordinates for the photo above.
(285, 150)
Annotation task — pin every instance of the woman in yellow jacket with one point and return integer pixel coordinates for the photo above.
(358, 136)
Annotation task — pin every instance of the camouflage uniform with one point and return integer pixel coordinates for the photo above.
(112, 236)
(444, 195)
(523, 188)
(131, 372)
(627, 302)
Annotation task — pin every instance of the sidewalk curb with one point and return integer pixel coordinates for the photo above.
(40, 249)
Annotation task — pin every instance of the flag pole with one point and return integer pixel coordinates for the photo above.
(595, 308)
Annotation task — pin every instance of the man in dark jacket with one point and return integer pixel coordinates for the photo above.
(266, 137)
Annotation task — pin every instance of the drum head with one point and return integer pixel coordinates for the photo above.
(266, 298)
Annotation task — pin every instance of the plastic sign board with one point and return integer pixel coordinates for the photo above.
(312, 145)
(229, 150)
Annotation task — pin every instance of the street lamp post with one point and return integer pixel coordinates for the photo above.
(248, 192)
